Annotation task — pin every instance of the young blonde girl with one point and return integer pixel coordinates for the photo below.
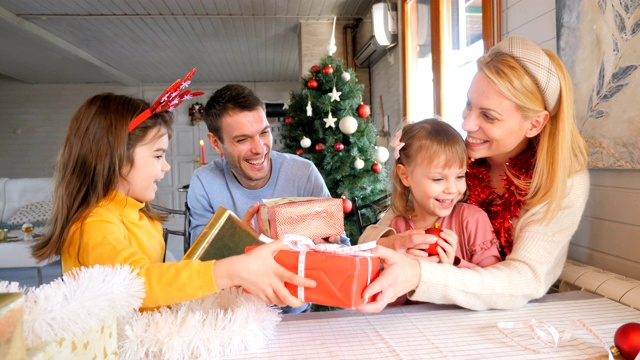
(111, 159)
(428, 183)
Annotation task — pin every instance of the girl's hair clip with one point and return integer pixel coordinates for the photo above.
(397, 144)
(169, 100)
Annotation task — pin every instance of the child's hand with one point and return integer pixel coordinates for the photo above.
(258, 273)
(447, 246)
(410, 239)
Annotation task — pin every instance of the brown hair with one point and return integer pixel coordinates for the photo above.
(425, 142)
(561, 150)
(232, 97)
(90, 164)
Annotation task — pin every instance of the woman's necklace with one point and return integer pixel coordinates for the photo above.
(502, 209)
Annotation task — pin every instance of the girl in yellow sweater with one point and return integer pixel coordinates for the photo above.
(111, 159)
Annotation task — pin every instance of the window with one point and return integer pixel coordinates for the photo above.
(442, 40)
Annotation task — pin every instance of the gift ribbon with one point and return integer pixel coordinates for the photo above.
(547, 335)
(303, 244)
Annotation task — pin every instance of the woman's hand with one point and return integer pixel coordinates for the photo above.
(259, 274)
(401, 274)
(410, 239)
(446, 248)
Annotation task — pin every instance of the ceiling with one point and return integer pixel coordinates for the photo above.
(157, 41)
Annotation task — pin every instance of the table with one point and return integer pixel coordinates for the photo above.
(428, 331)
(17, 254)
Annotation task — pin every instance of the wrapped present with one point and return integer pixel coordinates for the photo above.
(315, 218)
(12, 342)
(341, 273)
(224, 235)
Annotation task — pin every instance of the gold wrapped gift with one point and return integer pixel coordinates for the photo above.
(12, 344)
(224, 235)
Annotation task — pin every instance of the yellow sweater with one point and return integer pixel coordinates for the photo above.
(116, 232)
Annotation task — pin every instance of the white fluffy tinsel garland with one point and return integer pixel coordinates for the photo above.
(222, 324)
(77, 302)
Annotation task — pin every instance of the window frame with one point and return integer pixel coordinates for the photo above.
(491, 34)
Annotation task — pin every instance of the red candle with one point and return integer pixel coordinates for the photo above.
(202, 158)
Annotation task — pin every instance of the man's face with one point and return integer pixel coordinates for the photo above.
(246, 145)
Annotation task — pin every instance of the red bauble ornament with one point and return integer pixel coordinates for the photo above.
(627, 341)
(288, 120)
(319, 147)
(314, 69)
(347, 205)
(363, 111)
(312, 84)
(299, 151)
(435, 230)
(338, 146)
(327, 70)
(376, 167)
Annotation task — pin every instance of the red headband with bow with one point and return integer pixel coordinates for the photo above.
(169, 100)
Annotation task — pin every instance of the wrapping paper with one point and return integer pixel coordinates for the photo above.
(340, 277)
(315, 218)
(12, 342)
(224, 235)
(100, 342)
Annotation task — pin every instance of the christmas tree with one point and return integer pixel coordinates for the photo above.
(329, 125)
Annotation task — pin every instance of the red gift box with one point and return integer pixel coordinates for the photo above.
(340, 279)
(315, 218)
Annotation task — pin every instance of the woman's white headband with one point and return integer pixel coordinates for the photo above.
(537, 64)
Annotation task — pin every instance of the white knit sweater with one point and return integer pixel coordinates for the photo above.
(535, 263)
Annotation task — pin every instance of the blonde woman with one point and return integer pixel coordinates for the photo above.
(528, 171)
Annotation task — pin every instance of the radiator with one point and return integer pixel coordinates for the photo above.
(578, 276)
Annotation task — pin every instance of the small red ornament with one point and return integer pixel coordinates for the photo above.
(627, 341)
(376, 167)
(314, 69)
(347, 205)
(319, 147)
(288, 120)
(327, 70)
(299, 151)
(338, 146)
(312, 84)
(363, 111)
(435, 230)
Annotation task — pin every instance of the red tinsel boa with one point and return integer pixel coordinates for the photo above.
(502, 209)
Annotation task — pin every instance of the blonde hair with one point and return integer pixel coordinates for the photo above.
(90, 164)
(560, 149)
(425, 143)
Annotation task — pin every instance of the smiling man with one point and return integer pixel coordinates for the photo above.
(248, 170)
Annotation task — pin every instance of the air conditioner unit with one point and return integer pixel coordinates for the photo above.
(381, 31)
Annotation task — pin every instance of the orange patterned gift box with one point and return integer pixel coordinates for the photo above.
(340, 279)
(315, 218)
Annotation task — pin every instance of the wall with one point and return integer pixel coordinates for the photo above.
(386, 83)
(609, 234)
(34, 118)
